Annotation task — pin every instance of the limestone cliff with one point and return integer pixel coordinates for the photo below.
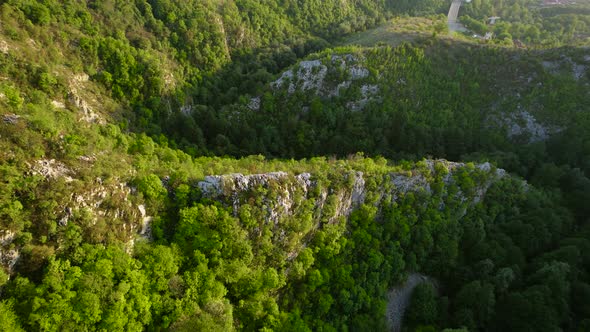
(280, 193)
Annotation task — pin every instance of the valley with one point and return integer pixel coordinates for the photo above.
(294, 165)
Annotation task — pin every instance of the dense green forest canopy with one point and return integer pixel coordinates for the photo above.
(541, 23)
(330, 187)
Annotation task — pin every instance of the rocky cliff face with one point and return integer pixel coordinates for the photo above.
(281, 193)
(107, 206)
(278, 198)
(293, 206)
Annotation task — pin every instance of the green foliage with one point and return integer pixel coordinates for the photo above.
(12, 95)
(530, 22)
(474, 25)
(9, 319)
(423, 306)
(282, 255)
(151, 187)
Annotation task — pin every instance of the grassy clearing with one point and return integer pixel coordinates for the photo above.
(400, 29)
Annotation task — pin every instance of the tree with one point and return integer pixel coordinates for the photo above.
(423, 309)
(479, 299)
(9, 321)
(152, 189)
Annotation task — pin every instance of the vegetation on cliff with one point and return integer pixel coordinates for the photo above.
(147, 179)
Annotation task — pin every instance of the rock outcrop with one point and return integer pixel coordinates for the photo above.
(315, 76)
(281, 192)
(577, 68)
(52, 169)
(11, 118)
(87, 113)
(9, 252)
(307, 76)
(110, 202)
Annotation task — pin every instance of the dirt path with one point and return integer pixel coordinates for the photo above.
(399, 299)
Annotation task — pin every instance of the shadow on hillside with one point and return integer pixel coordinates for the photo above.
(209, 118)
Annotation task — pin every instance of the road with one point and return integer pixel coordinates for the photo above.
(452, 17)
(399, 299)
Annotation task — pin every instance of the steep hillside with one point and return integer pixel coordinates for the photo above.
(140, 187)
(443, 98)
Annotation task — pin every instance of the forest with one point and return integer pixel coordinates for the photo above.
(239, 165)
(530, 21)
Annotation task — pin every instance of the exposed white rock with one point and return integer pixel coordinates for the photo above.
(57, 104)
(219, 21)
(142, 211)
(146, 222)
(358, 72)
(405, 182)
(75, 99)
(11, 118)
(51, 169)
(230, 186)
(309, 64)
(368, 91)
(97, 201)
(219, 185)
(292, 88)
(358, 190)
(88, 159)
(88, 114)
(9, 257)
(483, 188)
(169, 80)
(311, 74)
(81, 78)
(9, 253)
(211, 186)
(341, 86)
(337, 59)
(287, 76)
(6, 237)
(254, 104)
(346, 200)
(32, 43)
(523, 122)
(412, 182)
(344, 58)
(129, 246)
(4, 48)
(66, 217)
(304, 180)
(234, 189)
